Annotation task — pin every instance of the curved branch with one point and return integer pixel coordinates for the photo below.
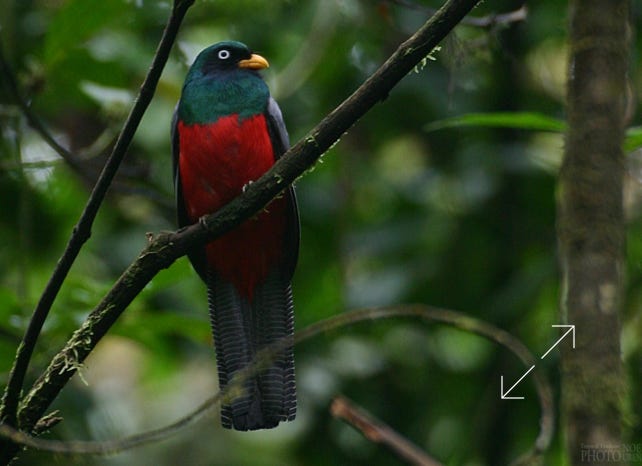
(82, 230)
(265, 356)
(166, 248)
(32, 119)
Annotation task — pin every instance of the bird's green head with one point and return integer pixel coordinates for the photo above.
(222, 81)
(228, 56)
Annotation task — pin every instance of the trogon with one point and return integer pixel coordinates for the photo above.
(227, 131)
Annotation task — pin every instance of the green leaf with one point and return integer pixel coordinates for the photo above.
(515, 120)
(523, 120)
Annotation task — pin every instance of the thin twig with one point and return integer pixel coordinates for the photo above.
(82, 231)
(14, 92)
(266, 356)
(99, 147)
(378, 432)
(486, 22)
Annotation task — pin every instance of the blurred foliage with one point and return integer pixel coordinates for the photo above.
(454, 215)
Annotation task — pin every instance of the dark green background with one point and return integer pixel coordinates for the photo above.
(461, 217)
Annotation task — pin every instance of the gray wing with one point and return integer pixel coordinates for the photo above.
(281, 143)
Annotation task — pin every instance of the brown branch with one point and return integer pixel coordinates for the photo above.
(378, 432)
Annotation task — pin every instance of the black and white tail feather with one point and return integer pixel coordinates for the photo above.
(241, 329)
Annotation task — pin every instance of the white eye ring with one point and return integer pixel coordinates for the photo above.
(224, 54)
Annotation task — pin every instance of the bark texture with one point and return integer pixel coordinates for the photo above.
(591, 230)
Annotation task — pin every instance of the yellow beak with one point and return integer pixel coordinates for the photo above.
(255, 62)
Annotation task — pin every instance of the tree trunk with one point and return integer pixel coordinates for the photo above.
(591, 230)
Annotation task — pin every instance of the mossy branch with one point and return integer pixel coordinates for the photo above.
(166, 248)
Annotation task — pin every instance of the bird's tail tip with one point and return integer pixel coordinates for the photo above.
(254, 418)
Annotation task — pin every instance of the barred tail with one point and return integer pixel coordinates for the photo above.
(241, 327)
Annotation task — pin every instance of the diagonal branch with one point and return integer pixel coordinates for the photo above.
(166, 248)
(378, 432)
(82, 230)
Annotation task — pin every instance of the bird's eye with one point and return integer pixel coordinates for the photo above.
(223, 54)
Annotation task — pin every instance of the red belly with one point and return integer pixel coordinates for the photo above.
(216, 160)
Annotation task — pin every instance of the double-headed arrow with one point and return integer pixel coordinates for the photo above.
(504, 394)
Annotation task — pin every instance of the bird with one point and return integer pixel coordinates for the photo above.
(227, 131)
